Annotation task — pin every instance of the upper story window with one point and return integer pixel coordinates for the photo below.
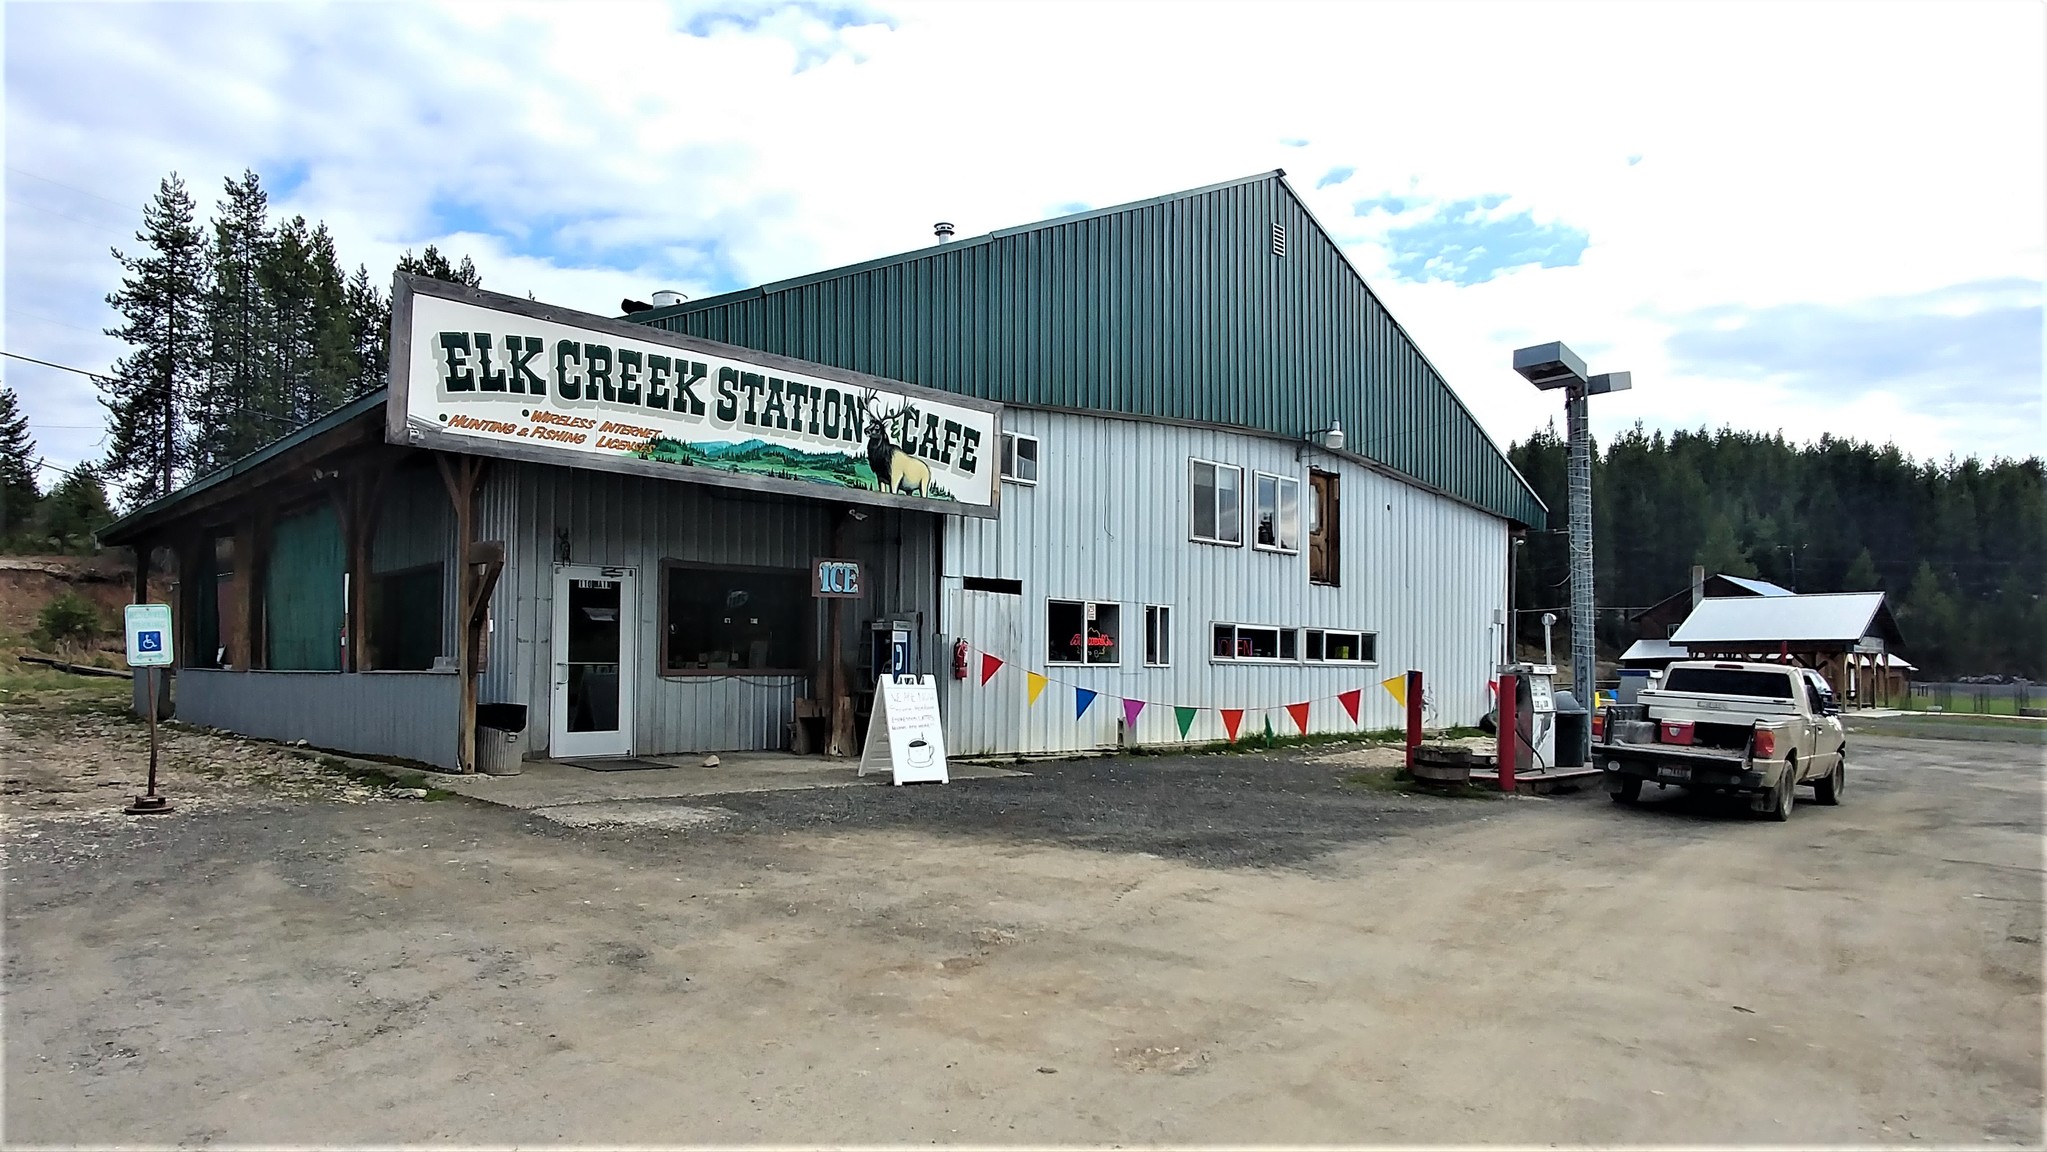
(1217, 497)
(1019, 458)
(1324, 541)
(1278, 514)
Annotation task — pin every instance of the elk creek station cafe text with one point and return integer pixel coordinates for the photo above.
(588, 373)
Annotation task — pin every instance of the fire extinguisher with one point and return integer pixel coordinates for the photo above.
(959, 660)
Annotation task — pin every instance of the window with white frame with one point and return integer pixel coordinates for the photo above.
(1278, 513)
(1329, 646)
(1081, 632)
(1158, 636)
(1019, 458)
(1217, 497)
(1250, 642)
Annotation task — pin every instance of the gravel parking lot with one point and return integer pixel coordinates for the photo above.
(1191, 949)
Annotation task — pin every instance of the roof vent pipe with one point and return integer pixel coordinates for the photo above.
(1698, 584)
(668, 298)
(943, 230)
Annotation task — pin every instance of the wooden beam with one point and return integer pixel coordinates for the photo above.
(461, 475)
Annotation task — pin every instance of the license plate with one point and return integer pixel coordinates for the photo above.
(1674, 772)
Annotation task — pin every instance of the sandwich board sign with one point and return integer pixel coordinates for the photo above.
(149, 635)
(906, 733)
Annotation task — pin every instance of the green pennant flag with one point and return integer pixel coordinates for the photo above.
(1186, 718)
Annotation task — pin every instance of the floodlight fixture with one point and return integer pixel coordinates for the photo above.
(1550, 365)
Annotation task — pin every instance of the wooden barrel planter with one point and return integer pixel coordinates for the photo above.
(1446, 764)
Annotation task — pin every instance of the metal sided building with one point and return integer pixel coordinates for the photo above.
(1175, 454)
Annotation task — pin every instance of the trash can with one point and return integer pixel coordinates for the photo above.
(1573, 722)
(500, 738)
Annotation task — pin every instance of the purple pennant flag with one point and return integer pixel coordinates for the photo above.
(1130, 710)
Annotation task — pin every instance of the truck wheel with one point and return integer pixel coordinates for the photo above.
(1828, 791)
(1785, 794)
(1630, 790)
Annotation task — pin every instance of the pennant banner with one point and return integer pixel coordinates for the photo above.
(1231, 718)
(1349, 700)
(1185, 717)
(1300, 714)
(989, 665)
(1396, 686)
(1130, 710)
(1037, 685)
(1082, 700)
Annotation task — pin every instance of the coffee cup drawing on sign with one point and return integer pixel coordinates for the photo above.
(920, 754)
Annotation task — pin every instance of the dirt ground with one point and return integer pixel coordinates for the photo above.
(1276, 948)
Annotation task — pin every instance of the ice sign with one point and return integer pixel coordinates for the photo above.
(149, 635)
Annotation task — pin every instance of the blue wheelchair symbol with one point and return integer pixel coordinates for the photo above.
(149, 641)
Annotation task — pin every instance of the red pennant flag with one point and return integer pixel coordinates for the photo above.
(1300, 714)
(1349, 700)
(989, 664)
(1231, 718)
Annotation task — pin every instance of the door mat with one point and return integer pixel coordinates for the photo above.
(616, 764)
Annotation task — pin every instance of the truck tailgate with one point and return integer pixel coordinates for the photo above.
(1673, 752)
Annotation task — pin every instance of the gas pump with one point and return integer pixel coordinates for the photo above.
(1535, 715)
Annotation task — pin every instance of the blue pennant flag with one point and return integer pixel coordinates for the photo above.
(1081, 699)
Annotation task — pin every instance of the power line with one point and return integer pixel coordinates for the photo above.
(98, 377)
(58, 367)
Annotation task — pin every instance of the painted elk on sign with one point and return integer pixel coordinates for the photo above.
(894, 469)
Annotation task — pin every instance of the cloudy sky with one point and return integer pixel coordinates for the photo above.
(1813, 218)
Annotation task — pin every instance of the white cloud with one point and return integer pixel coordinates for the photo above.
(1788, 155)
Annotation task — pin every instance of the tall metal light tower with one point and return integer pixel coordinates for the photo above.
(1550, 366)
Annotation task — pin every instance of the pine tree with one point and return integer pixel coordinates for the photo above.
(1862, 575)
(369, 324)
(73, 511)
(18, 491)
(240, 409)
(162, 307)
(1720, 552)
(312, 354)
(1927, 620)
(433, 265)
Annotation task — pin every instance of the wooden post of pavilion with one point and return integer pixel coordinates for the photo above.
(461, 478)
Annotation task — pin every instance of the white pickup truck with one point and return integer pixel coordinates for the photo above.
(1720, 726)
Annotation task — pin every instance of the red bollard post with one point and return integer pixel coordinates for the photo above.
(1509, 738)
(1414, 717)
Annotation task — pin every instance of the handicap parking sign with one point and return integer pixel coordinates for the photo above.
(149, 635)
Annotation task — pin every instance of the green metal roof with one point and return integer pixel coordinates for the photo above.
(1175, 307)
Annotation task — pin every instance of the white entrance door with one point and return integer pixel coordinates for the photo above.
(595, 622)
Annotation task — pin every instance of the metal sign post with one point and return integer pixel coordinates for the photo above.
(149, 648)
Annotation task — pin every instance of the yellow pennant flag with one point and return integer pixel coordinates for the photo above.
(1037, 683)
(1396, 686)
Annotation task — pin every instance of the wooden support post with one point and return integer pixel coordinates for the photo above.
(461, 478)
(356, 505)
(142, 549)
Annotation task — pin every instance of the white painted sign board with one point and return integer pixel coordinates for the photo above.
(906, 733)
(149, 635)
(494, 375)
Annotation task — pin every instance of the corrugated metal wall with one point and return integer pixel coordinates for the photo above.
(1176, 307)
(408, 714)
(415, 526)
(1109, 521)
(636, 522)
(305, 591)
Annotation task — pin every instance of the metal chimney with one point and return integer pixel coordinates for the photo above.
(668, 298)
(1698, 584)
(943, 230)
